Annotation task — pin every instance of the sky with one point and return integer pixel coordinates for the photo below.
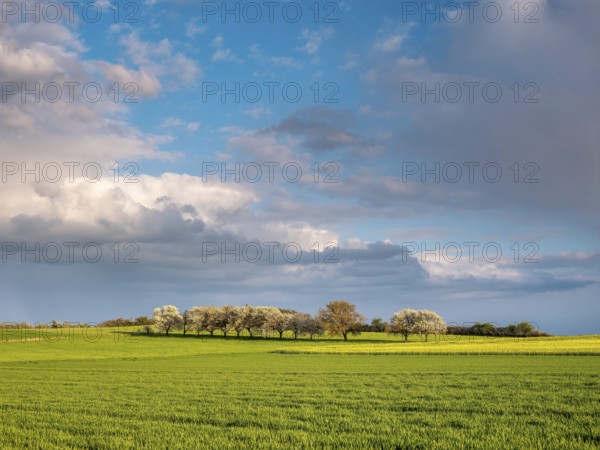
(431, 155)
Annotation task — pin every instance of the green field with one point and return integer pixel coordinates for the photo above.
(174, 392)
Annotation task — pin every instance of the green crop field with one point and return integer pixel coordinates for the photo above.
(116, 391)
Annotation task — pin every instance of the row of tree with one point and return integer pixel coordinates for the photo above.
(413, 321)
(255, 320)
(522, 329)
(337, 318)
(121, 322)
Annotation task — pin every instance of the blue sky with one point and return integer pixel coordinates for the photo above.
(385, 94)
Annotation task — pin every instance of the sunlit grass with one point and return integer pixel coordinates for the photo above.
(154, 392)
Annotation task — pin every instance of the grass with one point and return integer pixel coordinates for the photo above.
(463, 345)
(159, 392)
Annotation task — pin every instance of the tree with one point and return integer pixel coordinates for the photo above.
(301, 324)
(278, 321)
(245, 318)
(340, 317)
(524, 329)
(430, 323)
(484, 329)
(238, 324)
(255, 317)
(211, 318)
(204, 318)
(298, 324)
(187, 322)
(225, 318)
(116, 323)
(167, 318)
(198, 318)
(313, 326)
(409, 321)
(404, 322)
(377, 325)
(143, 320)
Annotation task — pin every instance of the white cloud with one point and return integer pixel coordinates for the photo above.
(192, 29)
(173, 122)
(160, 61)
(258, 112)
(148, 85)
(222, 53)
(314, 39)
(390, 44)
(176, 122)
(350, 61)
(282, 61)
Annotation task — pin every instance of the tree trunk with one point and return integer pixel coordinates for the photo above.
(281, 335)
(345, 336)
(426, 336)
(211, 332)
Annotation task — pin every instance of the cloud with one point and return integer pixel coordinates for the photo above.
(505, 132)
(171, 215)
(192, 29)
(175, 122)
(323, 129)
(276, 61)
(71, 127)
(159, 60)
(146, 84)
(221, 53)
(258, 112)
(314, 39)
(390, 43)
(351, 61)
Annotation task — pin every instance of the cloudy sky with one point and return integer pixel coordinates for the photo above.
(293, 153)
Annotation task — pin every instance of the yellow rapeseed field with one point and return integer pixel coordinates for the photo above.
(556, 345)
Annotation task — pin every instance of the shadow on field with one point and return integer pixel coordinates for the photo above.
(220, 337)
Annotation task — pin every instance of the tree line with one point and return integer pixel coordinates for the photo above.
(521, 329)
(337, 318)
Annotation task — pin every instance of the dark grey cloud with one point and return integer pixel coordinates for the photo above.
(325, 129)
